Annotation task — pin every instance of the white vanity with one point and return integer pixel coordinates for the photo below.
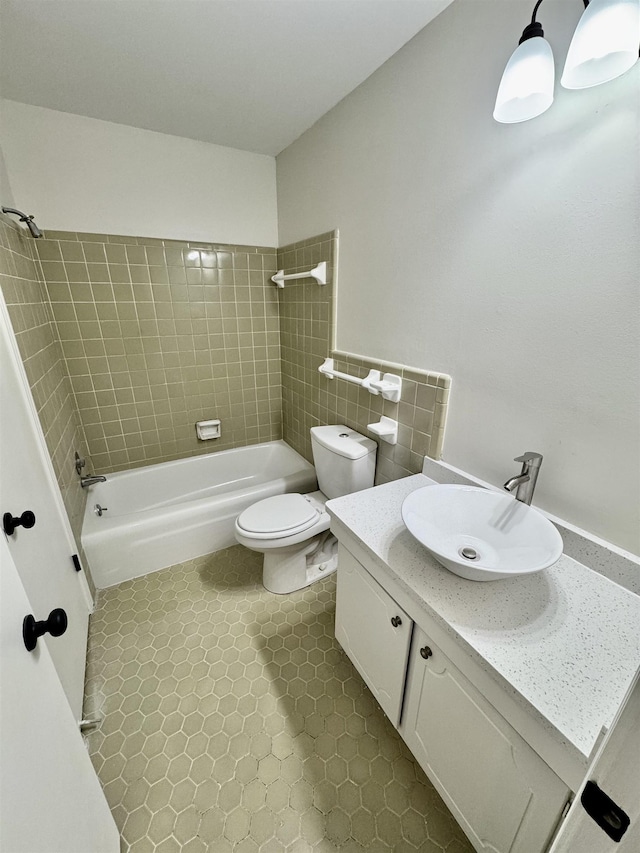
(501, 690)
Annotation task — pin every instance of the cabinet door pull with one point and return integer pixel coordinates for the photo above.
(396, 621)
(426, 652)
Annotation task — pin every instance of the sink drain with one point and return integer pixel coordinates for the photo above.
(468, 553)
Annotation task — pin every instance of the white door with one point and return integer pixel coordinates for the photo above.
(374, 632)
(50, 796)
(615, 770)
(506, 799)
(43, 553)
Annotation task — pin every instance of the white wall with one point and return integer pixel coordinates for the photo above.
(81, 174)
(6, 195)
(507, 256)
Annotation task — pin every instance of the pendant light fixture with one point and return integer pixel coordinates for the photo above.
(604, 45)
(526, 88)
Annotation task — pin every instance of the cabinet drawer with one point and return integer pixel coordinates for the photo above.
(374, 632)
(501, 792)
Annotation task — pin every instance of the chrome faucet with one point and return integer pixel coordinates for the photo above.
(525, 482)
(92, 480)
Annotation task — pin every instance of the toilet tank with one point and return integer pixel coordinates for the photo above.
(345, 461)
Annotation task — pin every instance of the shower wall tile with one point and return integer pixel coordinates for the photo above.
(307, 323)
(159, 334)
(30, 313)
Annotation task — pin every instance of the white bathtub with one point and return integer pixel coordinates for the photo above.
(164, 514)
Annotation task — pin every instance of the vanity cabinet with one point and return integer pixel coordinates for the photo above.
(504, 796)
(501, 792)
(374, 632)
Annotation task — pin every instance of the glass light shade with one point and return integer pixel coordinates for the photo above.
(604, 45)
(526, 88)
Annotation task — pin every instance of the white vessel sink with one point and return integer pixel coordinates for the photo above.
(479, 534)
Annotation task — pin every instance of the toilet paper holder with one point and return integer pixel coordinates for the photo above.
(208, 429)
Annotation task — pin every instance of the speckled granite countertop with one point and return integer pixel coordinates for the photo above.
(567, 639)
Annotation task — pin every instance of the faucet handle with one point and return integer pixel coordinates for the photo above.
(529, 457)
(79, 462)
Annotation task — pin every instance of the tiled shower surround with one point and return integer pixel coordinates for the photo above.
(306, 336)
(159, 334)
(30, 313)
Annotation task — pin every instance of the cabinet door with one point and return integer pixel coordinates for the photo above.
(374, 632)
(501, 792)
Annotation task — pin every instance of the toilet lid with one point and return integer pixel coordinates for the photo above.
(278, 514)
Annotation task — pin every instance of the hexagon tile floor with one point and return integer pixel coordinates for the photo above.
(233, 721)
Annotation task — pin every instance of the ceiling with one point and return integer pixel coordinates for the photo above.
(249, 74)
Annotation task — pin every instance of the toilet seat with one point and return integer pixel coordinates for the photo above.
(277, 517)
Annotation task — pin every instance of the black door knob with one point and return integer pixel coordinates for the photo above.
(10, 522)
(396, 621)
(426, 652)
(55, 624)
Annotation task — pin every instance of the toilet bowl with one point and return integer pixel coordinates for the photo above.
(292, 530)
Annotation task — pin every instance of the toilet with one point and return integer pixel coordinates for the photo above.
(292, 530)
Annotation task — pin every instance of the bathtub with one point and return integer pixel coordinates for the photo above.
(164, 514)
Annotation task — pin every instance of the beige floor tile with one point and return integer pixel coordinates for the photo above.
(234, 723)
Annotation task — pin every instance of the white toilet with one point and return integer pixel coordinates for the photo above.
(292, 530)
